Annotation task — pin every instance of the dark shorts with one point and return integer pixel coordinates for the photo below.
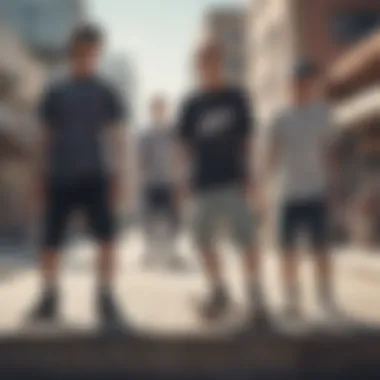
(310, 216)
(160, 202)
(91, 197)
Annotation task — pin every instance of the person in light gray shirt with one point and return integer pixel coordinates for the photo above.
(300, 152)
(157, 180)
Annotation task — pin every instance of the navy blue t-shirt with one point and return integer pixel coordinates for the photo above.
(77, 111)
(215, 127)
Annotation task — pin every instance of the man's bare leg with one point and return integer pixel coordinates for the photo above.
(324, 275)
(106, 264)
(218, 301)
(291, 282)
(47, 306)
(50, 261)
(252, 268)
(107, 308)
(212, 267)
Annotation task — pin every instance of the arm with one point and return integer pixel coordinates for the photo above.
(118, 137)
(183, 151)
(271, 151)
(181, 170)
(332, 164)
(46, 115)
(39, 169)
(248, 138)
(269, 160)
(119, 147)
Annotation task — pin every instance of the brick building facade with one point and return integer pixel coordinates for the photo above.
(285, 31)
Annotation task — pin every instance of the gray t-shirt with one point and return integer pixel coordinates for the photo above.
(78, 111)
(156, 152)
(301, 138)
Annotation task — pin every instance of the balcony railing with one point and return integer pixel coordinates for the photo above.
(357, 70)
(359, 108)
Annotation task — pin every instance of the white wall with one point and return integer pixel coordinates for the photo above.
(17, 110)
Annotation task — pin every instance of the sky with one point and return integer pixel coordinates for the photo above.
(158, 37)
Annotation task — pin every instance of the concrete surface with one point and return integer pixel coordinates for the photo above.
(161, 302)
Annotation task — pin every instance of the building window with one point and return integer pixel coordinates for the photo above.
(351, 26)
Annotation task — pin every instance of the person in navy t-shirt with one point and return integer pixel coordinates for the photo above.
(78, 112)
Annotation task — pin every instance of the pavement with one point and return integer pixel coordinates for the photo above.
(162, 302)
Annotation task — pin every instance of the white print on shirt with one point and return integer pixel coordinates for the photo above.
(216, 121)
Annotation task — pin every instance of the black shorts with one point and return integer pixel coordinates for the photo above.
(310, 215)
(92, 197)
(160, 202)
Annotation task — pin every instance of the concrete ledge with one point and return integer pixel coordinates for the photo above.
(259, 353)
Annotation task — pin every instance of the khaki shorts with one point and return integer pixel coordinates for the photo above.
(226, 207)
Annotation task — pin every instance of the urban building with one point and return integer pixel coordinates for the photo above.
(43, 25)
(285, 31)
(227, 26)
(22, 78)
(355, 87)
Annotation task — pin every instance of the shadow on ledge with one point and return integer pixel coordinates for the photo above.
(259, 354)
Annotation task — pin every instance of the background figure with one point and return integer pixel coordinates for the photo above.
(300, 151)
(73, 173)
(216, 129)
(161, 219)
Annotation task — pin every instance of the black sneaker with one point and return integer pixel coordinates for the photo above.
(216, 306)
(46, 309)
(258, 316)
(109, 314)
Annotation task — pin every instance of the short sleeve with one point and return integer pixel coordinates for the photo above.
(47, 108)
(116, 111)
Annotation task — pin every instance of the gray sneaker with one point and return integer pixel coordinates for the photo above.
(110, 316)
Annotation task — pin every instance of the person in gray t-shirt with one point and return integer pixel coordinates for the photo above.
(300, 148)
(156, 151)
